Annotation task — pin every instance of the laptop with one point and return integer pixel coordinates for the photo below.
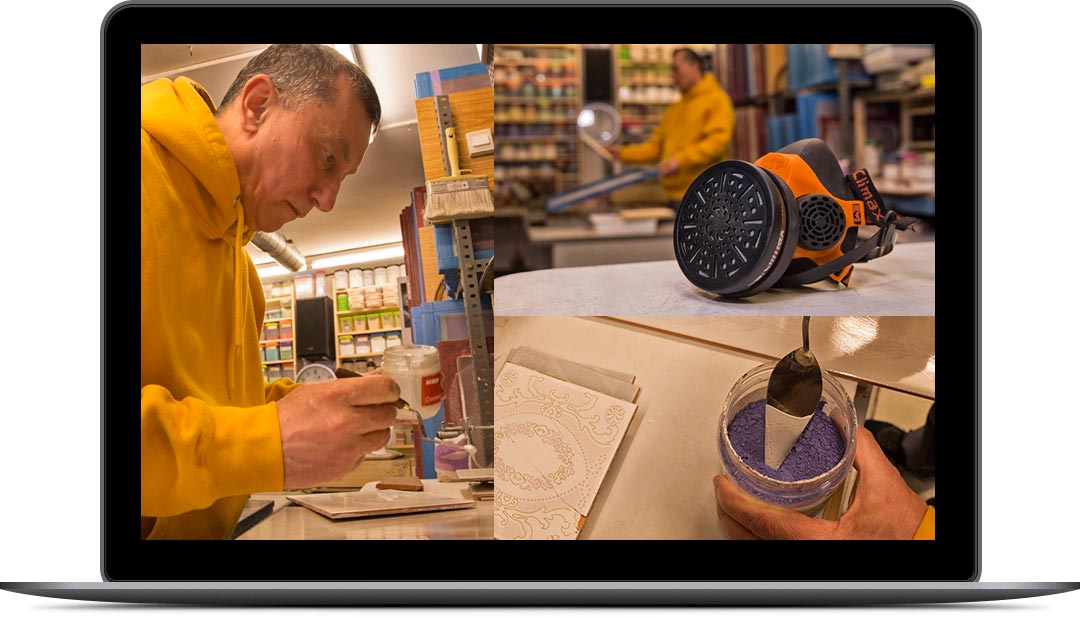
(625, 571)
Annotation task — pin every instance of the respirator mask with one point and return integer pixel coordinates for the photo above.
(788, 219)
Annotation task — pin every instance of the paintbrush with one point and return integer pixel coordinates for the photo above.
(460, 195)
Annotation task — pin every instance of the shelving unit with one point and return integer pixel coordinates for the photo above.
(279, 310)
(538, 95)
(392, 312)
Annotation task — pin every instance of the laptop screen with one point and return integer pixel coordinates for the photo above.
(644, 293)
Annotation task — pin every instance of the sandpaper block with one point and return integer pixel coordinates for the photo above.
(404, 483)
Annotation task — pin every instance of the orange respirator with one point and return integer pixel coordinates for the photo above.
(789, 218)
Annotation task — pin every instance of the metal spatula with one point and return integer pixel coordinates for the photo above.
(793, 395)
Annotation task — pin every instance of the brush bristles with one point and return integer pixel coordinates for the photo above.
(451, 202)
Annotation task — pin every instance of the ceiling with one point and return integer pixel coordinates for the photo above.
(368, 205)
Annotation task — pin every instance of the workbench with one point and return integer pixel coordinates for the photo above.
(581, 245)
(901, 283)
(659, 484)
(292, 522)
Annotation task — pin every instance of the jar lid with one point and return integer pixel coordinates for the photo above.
(404, 358)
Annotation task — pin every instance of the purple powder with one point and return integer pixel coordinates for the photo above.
(820, 447)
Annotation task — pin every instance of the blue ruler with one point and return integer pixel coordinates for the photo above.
(558, 202)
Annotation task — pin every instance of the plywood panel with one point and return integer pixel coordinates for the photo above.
(429, 262)
(473, 110)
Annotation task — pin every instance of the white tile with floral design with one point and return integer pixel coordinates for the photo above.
(554, 442)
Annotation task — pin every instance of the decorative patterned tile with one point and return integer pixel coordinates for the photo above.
(553, 444)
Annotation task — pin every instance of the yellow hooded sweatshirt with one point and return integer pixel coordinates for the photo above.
(696, 131)
(210, 433)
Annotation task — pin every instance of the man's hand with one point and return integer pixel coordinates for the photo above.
(328, 427)
(669, 166)
(884, 506)
(613, 151)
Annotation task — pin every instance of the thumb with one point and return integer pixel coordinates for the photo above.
(768, 521)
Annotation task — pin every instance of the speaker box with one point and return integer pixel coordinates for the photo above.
(599, 83)
(314, 328)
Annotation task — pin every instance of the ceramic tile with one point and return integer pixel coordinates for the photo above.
(553, 444)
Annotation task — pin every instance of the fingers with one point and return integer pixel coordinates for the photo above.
(735, 530)
(374, 440)
(868, 454)
(375, 418)
(370, 390)
(767, 521)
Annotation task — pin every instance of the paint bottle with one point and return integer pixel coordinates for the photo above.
(416, 370)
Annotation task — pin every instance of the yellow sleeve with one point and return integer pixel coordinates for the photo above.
(717, 129)
(278, 388)
(925, 531)
(645, 152)
(194, 454)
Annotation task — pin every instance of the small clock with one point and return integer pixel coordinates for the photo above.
(315, 373)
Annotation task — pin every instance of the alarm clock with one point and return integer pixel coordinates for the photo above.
(315, 373)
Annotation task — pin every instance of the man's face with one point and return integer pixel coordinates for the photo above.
(301, 156)
(684, 74)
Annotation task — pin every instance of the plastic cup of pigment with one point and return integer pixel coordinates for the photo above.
(817, 464)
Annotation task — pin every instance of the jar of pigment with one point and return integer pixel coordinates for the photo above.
(817, 464)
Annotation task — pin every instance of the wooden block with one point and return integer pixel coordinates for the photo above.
(404, 483)
(473, 110)
(663, 214)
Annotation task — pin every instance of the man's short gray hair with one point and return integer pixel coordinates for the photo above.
(302, 73)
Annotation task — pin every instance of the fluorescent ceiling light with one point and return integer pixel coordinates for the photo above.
(275, 270)
(358, 257)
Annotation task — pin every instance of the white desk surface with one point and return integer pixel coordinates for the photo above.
(564, 233)
(299, 523)
(901, 283)
(659, 485)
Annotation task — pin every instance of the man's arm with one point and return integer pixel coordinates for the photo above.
(194, 454)
(645, 152)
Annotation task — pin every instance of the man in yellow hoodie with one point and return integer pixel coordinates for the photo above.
(295, 122)
(693, 133)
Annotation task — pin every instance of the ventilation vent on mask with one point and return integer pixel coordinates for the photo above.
(822, 222)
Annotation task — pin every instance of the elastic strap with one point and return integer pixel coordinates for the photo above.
(876, 246)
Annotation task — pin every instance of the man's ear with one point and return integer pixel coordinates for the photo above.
(258, 96)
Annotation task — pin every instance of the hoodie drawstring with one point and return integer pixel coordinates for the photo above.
(238, 299)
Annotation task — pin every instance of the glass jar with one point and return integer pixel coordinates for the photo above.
(363, 344)
(378, 344)
(341, 279)
(345, 346)
(809, 495)
(416, 370)
(360, 323)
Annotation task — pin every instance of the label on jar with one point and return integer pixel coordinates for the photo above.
(430, 391)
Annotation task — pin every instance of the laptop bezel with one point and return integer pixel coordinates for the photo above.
(954, 556)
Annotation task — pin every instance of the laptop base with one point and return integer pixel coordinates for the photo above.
(539, 593)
